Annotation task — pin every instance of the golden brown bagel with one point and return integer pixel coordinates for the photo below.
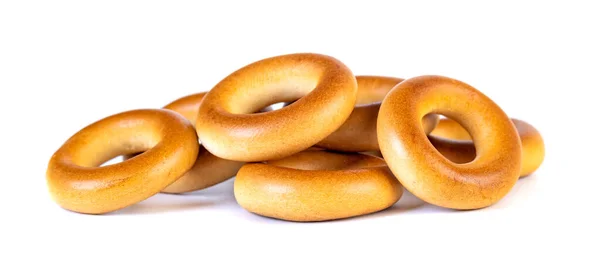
(454, 142)
(317, 186)
(77, 183)
(325, 94)
(208, 169)
(359, 132)
(427, 173)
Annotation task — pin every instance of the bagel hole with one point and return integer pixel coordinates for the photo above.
(273, 107)
(114, 160)
(114, 152)
(126, 157)
(453, 141)
(121, 157)
(287, 85)
(451, 129)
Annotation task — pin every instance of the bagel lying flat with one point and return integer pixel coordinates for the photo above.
(323, 91)
(317, 186)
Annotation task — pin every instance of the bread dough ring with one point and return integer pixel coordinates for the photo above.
(427, 173)
(454, 142)
(359, 132)
(325, 94)
(317, 186)
(77, 183)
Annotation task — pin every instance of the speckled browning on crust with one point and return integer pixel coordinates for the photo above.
(317, 186)
(359, 132)
(422, 169)
(454, 142)
(324, 90)
(77, 183)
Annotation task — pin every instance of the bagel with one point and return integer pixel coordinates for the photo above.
(427, 173)
(454, 142)
(208, 169)
(359, 132)
(77, 182)
(322, 88)
(317, 186)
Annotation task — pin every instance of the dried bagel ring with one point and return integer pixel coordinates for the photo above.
(324, 91)
(454, 142)
(359, 132)
(427, 173)
(317, 186)
(77, 183)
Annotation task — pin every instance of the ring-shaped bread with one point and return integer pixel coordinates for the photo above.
(78, 182)
(323, 91)
(317, 186)
(423, 170)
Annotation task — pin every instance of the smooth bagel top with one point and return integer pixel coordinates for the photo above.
(324, 94)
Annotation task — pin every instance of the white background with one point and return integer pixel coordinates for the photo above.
(64, 65)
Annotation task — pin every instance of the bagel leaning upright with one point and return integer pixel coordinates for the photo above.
(77, 182)
(427, 173)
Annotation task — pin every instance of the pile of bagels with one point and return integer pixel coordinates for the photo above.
(340, 146)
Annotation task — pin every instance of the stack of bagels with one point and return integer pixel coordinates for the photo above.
(341, 146)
